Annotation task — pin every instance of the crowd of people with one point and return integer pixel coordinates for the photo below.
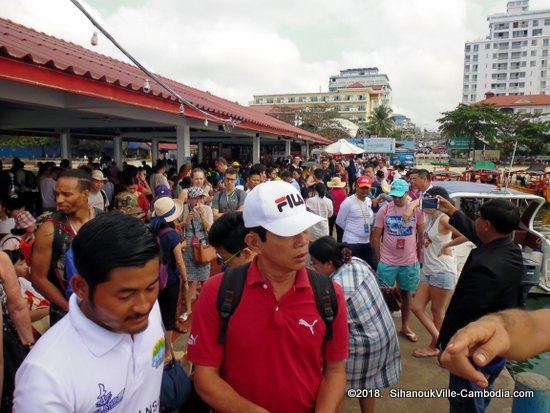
(89, 252)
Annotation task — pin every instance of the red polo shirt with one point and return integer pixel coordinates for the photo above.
(274, 351)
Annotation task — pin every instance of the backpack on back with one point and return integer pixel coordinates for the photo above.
(163, 263)
(232, 286)
(30, 180)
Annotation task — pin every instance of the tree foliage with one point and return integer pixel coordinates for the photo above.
(381, 122)
(26, 141)
(318, 119)
(501, 129)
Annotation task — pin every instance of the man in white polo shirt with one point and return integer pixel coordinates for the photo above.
(107, 353)
(355, 218)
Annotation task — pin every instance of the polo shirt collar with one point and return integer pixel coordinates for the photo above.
(254, 276)
(98, 339)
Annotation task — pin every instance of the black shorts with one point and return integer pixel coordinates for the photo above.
(168, 303)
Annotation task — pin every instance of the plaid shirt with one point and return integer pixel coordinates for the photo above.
(374, 358)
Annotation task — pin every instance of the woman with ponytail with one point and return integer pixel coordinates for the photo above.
(374, 360)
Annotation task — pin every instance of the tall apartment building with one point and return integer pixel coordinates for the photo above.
(353, 94)
(513, 58)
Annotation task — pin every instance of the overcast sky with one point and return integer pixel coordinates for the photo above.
(239, 48)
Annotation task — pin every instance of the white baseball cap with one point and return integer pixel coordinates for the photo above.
(278, 207)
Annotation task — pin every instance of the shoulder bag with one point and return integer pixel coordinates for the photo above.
(175, 387)
(203, 253)
(391, 294)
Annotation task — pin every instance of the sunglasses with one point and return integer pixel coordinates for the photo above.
(223, 262)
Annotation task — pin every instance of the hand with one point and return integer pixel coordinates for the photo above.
(482, 340)
(445, 251)
(445, 206)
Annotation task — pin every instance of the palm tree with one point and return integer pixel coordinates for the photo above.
(380, 121)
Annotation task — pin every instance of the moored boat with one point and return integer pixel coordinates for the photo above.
(470, 196)
(533, 180)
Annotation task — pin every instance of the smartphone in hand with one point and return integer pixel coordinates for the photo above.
(429, 203)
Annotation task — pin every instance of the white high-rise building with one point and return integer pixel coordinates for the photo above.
(513, 58)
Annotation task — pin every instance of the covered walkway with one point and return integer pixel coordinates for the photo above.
(50, 87)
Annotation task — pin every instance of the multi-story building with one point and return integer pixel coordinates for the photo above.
(513, 59)
(535, 105)
(353, 94)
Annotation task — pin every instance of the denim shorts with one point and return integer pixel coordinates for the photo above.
(407, 276)
(445, 280)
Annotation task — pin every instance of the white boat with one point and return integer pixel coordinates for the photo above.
(469, 196)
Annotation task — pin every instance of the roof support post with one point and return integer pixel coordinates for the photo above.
(117, 150)
(65, 138)
(154, 150)
(183, 142)
(288, 145)
(256, 149)
(307, 150)
(200, 153)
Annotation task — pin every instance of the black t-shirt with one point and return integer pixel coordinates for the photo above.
(5, 183)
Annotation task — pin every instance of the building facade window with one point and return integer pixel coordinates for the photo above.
(269, 100)
(537, 32)
(313, 99)
(519, 33)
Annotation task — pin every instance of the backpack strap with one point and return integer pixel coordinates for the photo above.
(7, 239)
(325, 298)
(104, 196)
(229, 296)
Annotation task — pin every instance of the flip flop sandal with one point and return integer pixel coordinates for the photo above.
(411, 336)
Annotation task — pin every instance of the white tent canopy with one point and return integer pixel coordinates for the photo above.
(343, 147)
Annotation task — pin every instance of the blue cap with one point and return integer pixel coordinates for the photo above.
(399, 188)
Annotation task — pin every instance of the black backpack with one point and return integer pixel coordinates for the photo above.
(231, 289)
(30, 180)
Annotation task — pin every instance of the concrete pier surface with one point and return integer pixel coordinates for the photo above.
(416, 374)
(425, 374)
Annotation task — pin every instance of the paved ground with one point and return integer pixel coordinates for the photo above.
(417, 374)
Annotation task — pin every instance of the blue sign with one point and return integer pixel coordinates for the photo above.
(405, 158)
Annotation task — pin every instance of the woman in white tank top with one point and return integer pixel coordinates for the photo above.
(438, 276)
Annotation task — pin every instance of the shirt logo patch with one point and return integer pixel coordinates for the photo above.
(397, 228)
(105, 401)
(158, 352)
(192, 340)
(304, 323)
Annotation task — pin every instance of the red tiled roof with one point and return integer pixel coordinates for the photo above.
(355, 85)
(526, 100)
(36, 49)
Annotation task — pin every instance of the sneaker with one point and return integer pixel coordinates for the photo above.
(183, 317)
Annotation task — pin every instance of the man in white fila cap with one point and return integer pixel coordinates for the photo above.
(278, 354)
